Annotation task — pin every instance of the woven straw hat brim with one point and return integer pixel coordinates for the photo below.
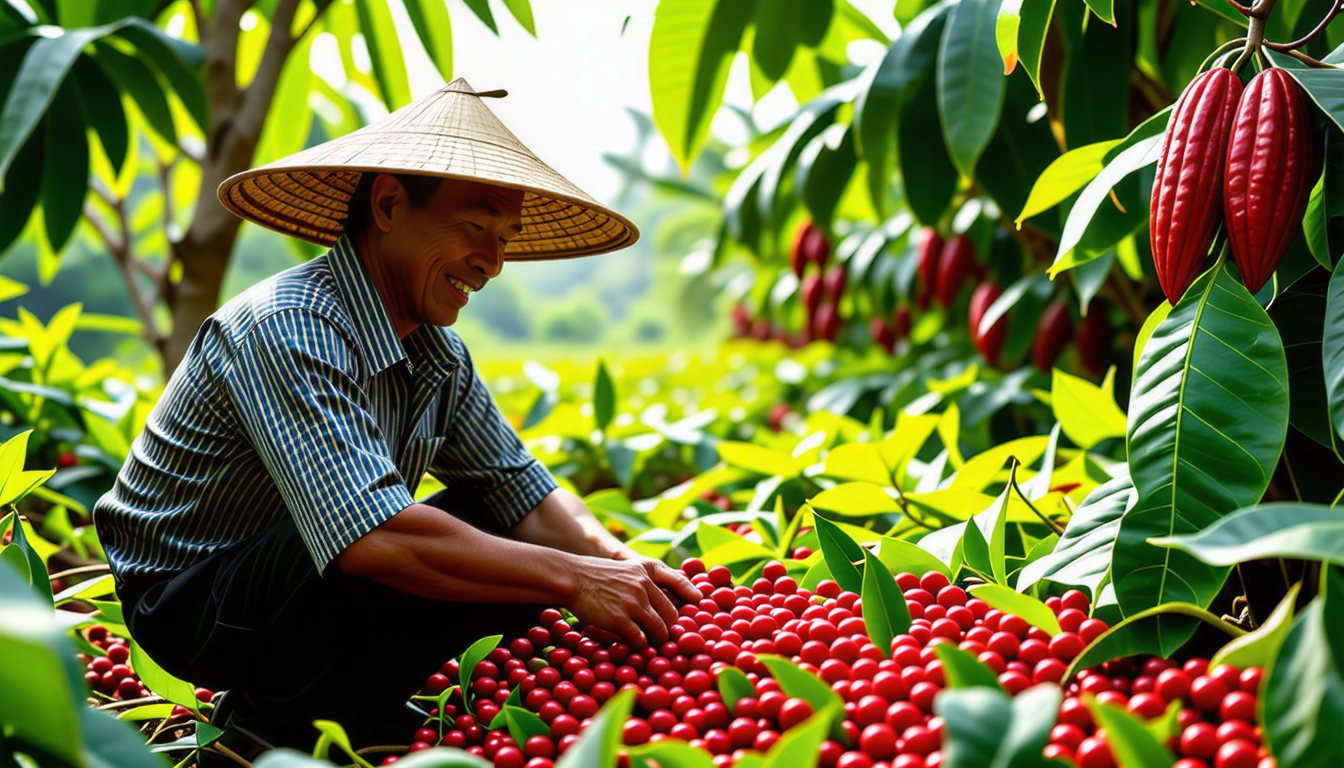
(450, 134)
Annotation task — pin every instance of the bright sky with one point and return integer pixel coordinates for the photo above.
(569, 87)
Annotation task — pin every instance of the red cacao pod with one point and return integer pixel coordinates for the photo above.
(1185, 209)
(989, 343)
(1268, 181)
(741, 321)
(1052, 335)
(811, 293)
(826, 323)
(902, 321)
(761, 329)
(930, 247)
(956, 263)
(834, 282)
(810, 244)
(1094, 339)
(883, 334)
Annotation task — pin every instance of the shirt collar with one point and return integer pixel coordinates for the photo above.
(377, 336)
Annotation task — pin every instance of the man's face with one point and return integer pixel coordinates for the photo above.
(435, 256)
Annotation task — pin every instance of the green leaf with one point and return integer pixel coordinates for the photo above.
(900, 556)
(522, 13)
(854, 500)
(884, 610)
(669, 753)
(1146, 332)
(147, 712)
(107, 743)
(1282, 529)
(757, 458)
(1160, 631)
(161, 682)
(800, 746)
(524, 724)
(333, 733)
(734, 685)
(1033, 611)
(1332, 348)
(1322, 85)
(1130, 740)
(841, 553)
(1083, 555)
(604, 397)
(105, 112)
(177, 60)
(1315, 223)
(984, 544)
(597, 746)
(858, 461)
(1035, 23)
(22, 554)
(987, 729)
(927, 170)
(823, 172)
(1104, 9)
(1302, 703)
(1022, 147)
(474, 654)
(691, 47)
(482, 10)
(1300, 315)
(1259, 647)
(963, 670)
(1087, 412)
(1097, 191)
(290, 117)
(778, 29)
(43, 683)
(40, 75)
(1208, 417)
(970, 85)
(1066, 175)
(135, 78)
(67, 148)
(1090, 111)
(878, 105)
(435, 29)
(389, 68)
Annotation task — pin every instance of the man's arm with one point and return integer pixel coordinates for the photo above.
(425, 551)
(563, 521)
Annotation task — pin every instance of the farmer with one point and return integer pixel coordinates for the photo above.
(264, 533)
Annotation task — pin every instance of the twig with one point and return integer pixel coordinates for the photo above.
(124, 258)
(1254, 38)
(129, 702)
(229, 753)
(1309, 61)
(1012, 478)
(1243, 10)
(110, 238)
(1221, 51)
(1285, 47)
(82, 569)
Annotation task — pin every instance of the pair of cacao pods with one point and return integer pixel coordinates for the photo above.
(810, 244)
(1233, 153)
(944, 267)
(1053, 333)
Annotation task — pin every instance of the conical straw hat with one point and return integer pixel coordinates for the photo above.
(450, 133)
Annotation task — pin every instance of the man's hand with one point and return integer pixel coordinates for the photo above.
(625, 596)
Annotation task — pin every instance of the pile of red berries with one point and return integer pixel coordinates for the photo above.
(564, 677)
(1216, 722)
(111, 674)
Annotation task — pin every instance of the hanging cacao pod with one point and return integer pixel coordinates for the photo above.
(761, 329)
(1094, 339)
(883, 335)
(930, 247)
(1268, 174)
(1052, 335)
(989, 343)
(956, 263)
(834, 282)
(810, 244)
(741, 321)
(1185, 209)
(826, 323)
(811, 293)
(901, 322)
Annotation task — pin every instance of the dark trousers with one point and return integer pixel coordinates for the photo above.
(291, 647)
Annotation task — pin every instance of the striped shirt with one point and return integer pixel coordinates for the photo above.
(298, 398)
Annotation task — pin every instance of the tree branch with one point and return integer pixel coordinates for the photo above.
(1285, 47)
(111, 239)
(144, 305)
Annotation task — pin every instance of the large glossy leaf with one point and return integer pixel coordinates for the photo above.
(1083, 555)
(1068, 173)
(1033, 611)
(778, 29)
(1299, 313)
(1159, 631)
(1129, 738)
(161, 682)
(522, 13)
(1285, 529)
(1091, 111)
(177, 60)
(1022, 147)
(963, 670)
(841, 554)
(1087, 412)
(602, 738)
(970, 82)
(103, 106)
(985, 539)
(435, 29)
(824, 169)
(692, 44)
(1303, 700)
(1316, 220)
(1332, 348)
(884, 610)
(389, 68)
(1096, 193)
(1032, 26)
(473, 656)
(987, 729)
(927, 170)
(1207, 422)
(901, 556)
(1322, 85)
(134, 77)
(877, 107)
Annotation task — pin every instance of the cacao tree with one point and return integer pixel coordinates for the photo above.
(127, 114)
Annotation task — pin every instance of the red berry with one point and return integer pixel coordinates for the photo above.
(1066, 646)
(1235, 729)
(635, 731)
(1148, 705)
(1207, 693)
(1068, 735)
(1094, 753)
(1092, 629)
(1237, 705)
(1251, 677)
(792, 712)
(1237, 753)
(854, 760)
(1199, 740)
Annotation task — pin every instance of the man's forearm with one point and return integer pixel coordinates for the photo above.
(562, 521)
(426, 552)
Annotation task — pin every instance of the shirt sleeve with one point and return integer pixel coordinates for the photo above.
(294, 383)
(483, 462)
